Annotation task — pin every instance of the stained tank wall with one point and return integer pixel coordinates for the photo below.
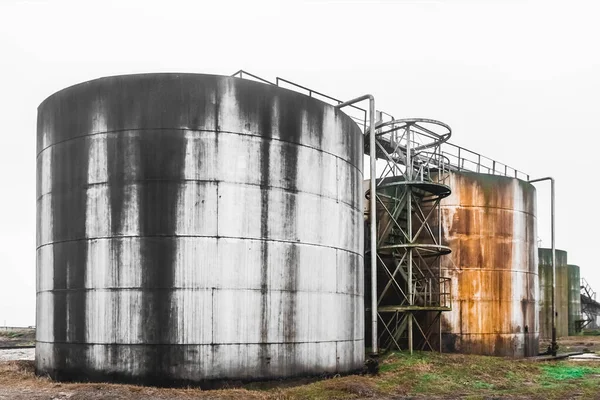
(561, 294)
(489, 222)
(196, 227)
(574, 301)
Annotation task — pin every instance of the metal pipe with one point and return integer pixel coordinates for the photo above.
(553, 345)
(409, 177)
(372, 213)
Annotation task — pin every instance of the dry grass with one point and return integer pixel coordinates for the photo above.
(20, 376)
(19, 337)
(423, 375)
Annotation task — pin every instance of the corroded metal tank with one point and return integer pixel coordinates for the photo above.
(489, 222)
(561, 294)
(193, 228)
(574, 304)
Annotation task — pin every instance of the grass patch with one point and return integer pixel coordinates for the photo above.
(560, 372)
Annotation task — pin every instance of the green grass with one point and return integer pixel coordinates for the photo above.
(430, 374)
(560, 372)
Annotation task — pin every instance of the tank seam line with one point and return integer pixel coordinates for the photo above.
(132, 182)
(492, 269)
(491, 333)
(195, 236)
(201, 344)
(196, 130)
(490, 207)
(140, 288)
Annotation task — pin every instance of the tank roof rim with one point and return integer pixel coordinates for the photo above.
(179, 74)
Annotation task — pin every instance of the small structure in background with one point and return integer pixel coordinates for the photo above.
(590, 308)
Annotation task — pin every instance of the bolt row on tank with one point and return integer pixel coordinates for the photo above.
(195, 228)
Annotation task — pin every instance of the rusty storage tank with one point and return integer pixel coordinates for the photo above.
(489, 222)
(194, 228)
(545, 299)
(574, 300)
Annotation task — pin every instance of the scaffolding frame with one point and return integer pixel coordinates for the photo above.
(590, 308)
(411, 292)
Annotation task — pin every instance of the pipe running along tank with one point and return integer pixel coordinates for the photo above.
(489, 222)
(197, 228)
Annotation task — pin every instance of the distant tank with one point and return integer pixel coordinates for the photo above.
(489, 222)
(195, 228)
(561, 294)
(574, 305)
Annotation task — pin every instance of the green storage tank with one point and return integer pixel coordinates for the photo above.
(574, 306)
(545, 300)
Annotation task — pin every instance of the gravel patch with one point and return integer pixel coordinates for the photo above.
(17, 354)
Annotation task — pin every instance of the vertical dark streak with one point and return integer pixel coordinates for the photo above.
(68, 214)
(158, 216)
(265, 176)
(291, 128)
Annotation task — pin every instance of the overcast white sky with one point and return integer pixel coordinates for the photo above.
(516, 80)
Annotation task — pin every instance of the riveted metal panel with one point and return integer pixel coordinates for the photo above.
(195, 228)
(489, 223)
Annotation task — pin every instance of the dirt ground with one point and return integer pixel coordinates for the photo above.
(574, 344)
(17, 354)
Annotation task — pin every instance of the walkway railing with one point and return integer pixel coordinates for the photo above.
(457, 158)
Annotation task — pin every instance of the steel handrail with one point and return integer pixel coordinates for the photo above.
(492, 166)
(241, 72)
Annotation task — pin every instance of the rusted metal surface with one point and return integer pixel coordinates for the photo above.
(194, 228)
(489, 222)
(561, 295)
(574, 304)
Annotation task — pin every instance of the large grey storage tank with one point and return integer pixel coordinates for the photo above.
(489, 222)
(561, 293)
(194, 228)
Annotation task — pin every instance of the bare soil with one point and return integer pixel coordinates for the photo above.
(571, 344)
